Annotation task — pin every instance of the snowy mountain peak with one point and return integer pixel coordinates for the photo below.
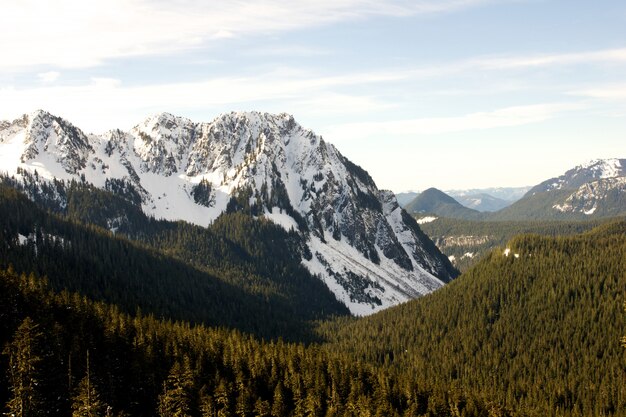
(582, 174)
(360, 242)
(604, 168)
(41, 135)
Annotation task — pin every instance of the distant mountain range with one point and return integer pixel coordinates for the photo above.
(352, 236)
(434, 201)
(480, 199)
(592, 190)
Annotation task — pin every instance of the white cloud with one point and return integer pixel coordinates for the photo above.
(543, 60)
(505, 117)
(77, 33)
(111, 104)
(611, 92)
(48, 77)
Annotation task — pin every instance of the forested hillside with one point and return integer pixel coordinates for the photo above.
(467, 241)
(537, 334)
(537, 331)
(242, 273)
(534, 330)
(66, 355)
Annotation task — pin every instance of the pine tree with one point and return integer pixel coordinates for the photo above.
(279, 407)
(24, 360)
(87, 401)
(175, 400)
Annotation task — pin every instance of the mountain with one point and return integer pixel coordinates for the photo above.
(218, 276)
(482, 202)
(481, 199)
(592, 190)
(434, 201)
(511, 194)
(355, 238)
(406, 197)
(488, 199)
(535, 328)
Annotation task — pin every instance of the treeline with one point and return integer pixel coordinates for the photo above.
(66, 355)
(538, 332)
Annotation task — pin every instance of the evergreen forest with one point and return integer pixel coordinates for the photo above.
(169, 319)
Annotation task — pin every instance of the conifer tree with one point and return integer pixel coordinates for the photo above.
(24, 360)
(175, 400)
(279, 407)
(87, 401)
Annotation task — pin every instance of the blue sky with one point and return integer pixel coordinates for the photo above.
(444, 93)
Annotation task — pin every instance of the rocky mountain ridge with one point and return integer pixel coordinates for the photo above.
(361, 243)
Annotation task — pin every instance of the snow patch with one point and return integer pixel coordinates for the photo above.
(333, 262)
(282, 219)
(426, 219)
(22, 240)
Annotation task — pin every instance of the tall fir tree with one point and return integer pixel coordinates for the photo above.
(24, 353)
(176, 398)
(87, 401)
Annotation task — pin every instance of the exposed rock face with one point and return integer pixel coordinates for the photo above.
(360, 242)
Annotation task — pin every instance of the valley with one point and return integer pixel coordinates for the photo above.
(280, 281)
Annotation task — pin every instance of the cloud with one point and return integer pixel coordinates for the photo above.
(112, 104)
(544, 60)
(610, 92)
(505, 117)
(79, 34)
(48, 77)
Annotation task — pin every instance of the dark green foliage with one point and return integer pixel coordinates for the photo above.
(117, 209)
(456, 237)
(242, 273)
(87, 402)
(24, 371)
(176, 398)
(149, 367)
(534, 335)
(537, 334)
(202, 193)
(123, 189)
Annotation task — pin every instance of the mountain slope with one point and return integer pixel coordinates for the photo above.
(434, 201)
(465, 242)
(359, 241)
(592, 190)
(208, 276)
(535, 326)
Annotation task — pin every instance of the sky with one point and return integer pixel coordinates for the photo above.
(450, 94)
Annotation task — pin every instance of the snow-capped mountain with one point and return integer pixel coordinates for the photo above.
(366, 249)
(594, 189)
(574, 178)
